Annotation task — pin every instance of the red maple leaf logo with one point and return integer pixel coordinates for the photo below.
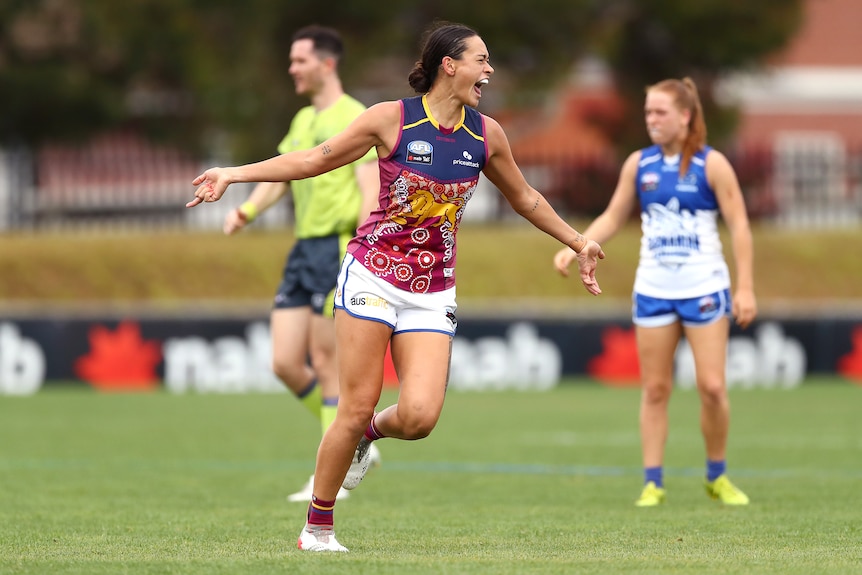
(120, 360)
(850, 365)
(618, 365)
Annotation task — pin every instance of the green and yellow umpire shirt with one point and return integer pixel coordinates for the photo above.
(327, 204)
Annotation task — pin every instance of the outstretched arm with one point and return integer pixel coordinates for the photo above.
(613, 218)
(504, 173)
(343, 148)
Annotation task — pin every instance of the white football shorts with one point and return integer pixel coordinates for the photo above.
(362, 294)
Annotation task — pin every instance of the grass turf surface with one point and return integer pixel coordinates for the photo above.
(508, 483)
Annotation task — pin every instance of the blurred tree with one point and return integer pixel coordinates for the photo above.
(645, 41)
(212, 75)
(71, 68)
(247, 92)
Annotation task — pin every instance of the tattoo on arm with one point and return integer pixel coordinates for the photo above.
(536, 205)
(579, 240)
(326, 150)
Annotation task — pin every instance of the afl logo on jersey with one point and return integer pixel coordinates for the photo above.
(649, 182)
(420, 152)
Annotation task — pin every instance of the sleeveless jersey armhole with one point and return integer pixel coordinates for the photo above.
(400, 133)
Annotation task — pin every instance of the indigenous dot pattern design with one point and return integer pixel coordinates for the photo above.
(409, 241)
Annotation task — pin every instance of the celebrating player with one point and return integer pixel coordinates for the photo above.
(397, 282)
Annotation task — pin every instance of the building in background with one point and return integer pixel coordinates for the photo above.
(805, 111)
(797, 148)
(797, 151)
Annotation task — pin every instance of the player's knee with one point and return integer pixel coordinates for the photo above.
(418, 430)
(289, 372)
(712, 391)
(355, 414)
(656, 392)
(417, 423)
(323, 363)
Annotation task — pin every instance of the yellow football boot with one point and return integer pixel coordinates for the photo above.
(651, 495)
(725, 491)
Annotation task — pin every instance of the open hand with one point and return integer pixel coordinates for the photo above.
(211, 186)
(563, 259)
(234, 221)
(744, 307)
(588, 258)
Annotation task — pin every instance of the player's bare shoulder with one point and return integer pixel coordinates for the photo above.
(492, 127)
(383, 120)
(718, 167)
(630, 166)
(495, 137)
(385, 112)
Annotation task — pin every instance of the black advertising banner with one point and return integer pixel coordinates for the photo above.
(232, 355)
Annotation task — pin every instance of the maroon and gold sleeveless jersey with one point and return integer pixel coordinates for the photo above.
(425, 184)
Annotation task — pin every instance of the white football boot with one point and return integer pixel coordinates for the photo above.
(319, 540)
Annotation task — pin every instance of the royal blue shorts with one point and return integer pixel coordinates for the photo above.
(703, 310)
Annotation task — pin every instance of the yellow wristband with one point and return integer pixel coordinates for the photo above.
(249, 211)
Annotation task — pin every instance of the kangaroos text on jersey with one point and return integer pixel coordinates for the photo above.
(681, 254)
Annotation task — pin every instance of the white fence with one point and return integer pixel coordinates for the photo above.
(806, 181)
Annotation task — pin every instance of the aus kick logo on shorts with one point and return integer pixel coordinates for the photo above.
(420, 152)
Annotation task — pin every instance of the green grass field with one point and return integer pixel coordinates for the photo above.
(509, 483)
